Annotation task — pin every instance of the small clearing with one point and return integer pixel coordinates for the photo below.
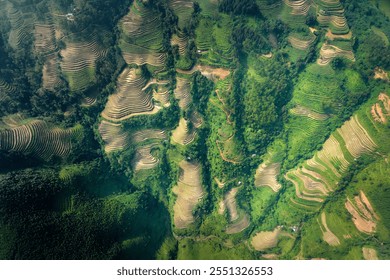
(380, 74)
(208, 71)
(303, 111)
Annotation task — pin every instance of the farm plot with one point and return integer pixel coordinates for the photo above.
(40, 139)
(44, 35)
(144, 159)
(303, 111)
(380, 111)
(113, 135)
(328, 236)
(131, 97)
(183, 9)
(185, 133)
(45, 45)
(320, 175)
(294, 12)
(21, 28)
(264, 240)
(328, 52)
(183, 92)
(300, 42)
(266, 175)
(369, 253)
(189, 192)
(79, 60)
(363, 215)
(237, 218)
(141, 37)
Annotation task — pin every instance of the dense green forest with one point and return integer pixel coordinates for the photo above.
(208, 129)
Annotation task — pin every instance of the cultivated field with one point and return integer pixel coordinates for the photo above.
(40, 139)
(113, 136)
(264, 240)
(328, 236)
(266, 175)
(79, 60)
(363, 215)
(141, 38)
(320, 175)
(189, 192)
(185, 133)
(131, 98)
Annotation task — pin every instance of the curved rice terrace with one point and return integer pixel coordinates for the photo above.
(238, 219)
(144, 159)
(21, 26)
(113, 135)
(141, 36)
(183, 9)
(266, 239)
(79, 60)
(300, 42)
(45, 45)
(40, 139)
(266, 176)
(182, 92)
(320, 175)
(188, 193)
(185, 133)
(132, 97)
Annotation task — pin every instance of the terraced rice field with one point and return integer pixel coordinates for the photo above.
(320, 175)
(21, 28)
(301, 43)
(131, 98)
(239, 225)
(141, 40)
(183, 92)
(329, 52)
(238, 220)
(6, 91)
(40, 139)
(330, 14)
(113, 136)
(183, 9)
(181, 41)
(184, 134)
(303, 111)
(78, 62)
(363, 215)
(51, 72)
(298, 7)
(144, 159)
(264, 240)
(147, 135)
(328, 236)
(189, 192)
(369, 253)
(380, 111)
(45, 45)
(266, 175)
